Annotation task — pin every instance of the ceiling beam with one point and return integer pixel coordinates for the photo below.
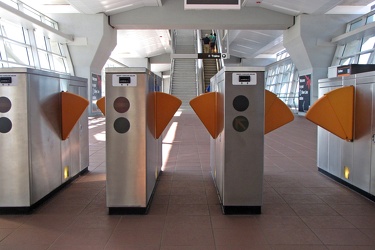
(173, 16)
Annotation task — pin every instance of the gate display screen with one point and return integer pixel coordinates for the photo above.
(124, 79)
(244, 78)
(5, 79)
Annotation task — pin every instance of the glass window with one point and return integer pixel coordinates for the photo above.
(280, 80)
(351, 48)
(370, 18)
(11, 3)
(39, 39)
(59, 63)
(12, 31)
(358, 51)
(16, 53)
(55, 47)
(345, 61)
(32, 13)
(368, 43)
(44, 60)
(50, 22)
(19, 46)
(356, 25)
(363, 59)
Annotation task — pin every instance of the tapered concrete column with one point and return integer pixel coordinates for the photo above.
(94, 41)
(308, 43)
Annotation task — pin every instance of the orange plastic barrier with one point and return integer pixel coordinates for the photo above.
(72, 107)
(209, 109)
(101, 104)
(335, 112)
(166, 107)
(276, 112)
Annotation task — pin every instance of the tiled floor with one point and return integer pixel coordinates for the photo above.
(302, 208)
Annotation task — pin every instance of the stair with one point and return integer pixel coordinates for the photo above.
(185, 42)
(184, 81)
(184, 84)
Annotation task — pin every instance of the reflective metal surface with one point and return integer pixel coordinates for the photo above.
(33, 157)
(237, 161)
(133, 155)
(336, 156)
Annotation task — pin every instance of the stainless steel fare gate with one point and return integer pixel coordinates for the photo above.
(133, 155)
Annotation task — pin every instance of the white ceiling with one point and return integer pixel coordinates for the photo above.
(243, 43)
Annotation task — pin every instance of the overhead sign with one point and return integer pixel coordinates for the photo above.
(212, 4)
(209, 55)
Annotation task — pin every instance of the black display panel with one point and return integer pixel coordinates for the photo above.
(246, 78)
(124, 79)
(216, 2)
(5, 79)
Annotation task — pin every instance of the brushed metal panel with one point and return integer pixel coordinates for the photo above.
(75, 149)
(364, 175)
(152, 145)
(31, 154)
(244, 151)
(357, 155)
(44, 137)
(322, 145)
(361, 172)
(65, 144)
(347, 148)
(238, 156)
(334, 155)
(347, 154)
(84, 133)
(330, 147)
(218, 144)
(14, 150)
(127, 162)
(74, 143)
(322, 140)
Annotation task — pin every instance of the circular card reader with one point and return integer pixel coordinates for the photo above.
(121, 125)
(5, 104)
(240, 123)
(240, 103)
(121, 104)
(5, 125)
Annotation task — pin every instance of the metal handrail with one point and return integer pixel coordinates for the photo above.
(200, 75)
(171, 77)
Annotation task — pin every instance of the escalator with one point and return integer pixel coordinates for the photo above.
(210, 66)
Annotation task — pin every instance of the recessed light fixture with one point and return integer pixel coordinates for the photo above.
(346, 172)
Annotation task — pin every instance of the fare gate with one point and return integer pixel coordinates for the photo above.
(136, 112)
(237, 114)
(43, 135)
